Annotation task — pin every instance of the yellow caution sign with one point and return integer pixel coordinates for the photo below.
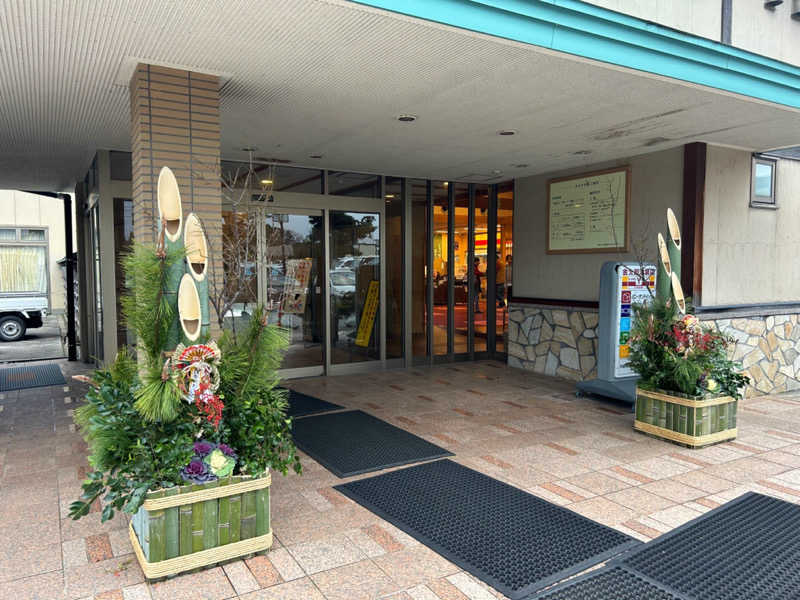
(368, 314)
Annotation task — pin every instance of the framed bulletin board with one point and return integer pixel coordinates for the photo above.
(589, 212)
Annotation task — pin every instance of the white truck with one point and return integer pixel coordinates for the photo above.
(20, 312)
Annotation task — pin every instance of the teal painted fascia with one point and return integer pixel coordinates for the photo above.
(585, 30)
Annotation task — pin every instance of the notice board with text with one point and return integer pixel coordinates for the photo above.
(589, 212)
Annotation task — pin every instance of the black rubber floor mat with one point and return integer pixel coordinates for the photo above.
(302, 405)
(514, 541)
(608, 583)
(30, 376)
(353, 442)
(747, 549)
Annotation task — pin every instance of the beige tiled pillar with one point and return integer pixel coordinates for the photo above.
(175, 123)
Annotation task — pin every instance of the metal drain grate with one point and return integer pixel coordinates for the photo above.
(512, 540)
(615, 583)
(746, 549)
(30, 376)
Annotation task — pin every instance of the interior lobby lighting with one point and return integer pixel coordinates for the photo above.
(390, 196)
(266, 182)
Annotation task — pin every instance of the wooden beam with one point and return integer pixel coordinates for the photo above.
(694, 185)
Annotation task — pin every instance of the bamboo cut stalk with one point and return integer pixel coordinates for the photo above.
(235, 530)
(172, 520)
(663, 277)
(186, 530)
(677, 294)
(158, 540)
(248, 515)
(196, 245)
(197, 522)
(170, 220)
(262, 511)
(189, 310)
(674, 243)
(210, 522)
(170, 208)
(224, 516)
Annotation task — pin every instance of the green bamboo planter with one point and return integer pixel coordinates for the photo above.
(193, 526)
(690, 421)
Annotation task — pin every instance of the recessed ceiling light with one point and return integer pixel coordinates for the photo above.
(582, 152)
(315, 156)
(407, 118)
(266, 182)
(507, 132)
(496, 172)
(249, 149)
(390, 196)
(521, 166)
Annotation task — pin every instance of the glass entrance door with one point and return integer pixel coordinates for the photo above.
(460, 269)
(291, 274)
(355, 286)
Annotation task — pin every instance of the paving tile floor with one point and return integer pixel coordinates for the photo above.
(527, 430)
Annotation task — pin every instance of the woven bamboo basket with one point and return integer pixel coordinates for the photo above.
(184, 528)
(690, 421)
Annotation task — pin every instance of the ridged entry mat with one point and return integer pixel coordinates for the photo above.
(512, 540)
(747, 549)
(30, 376)
(301, 405)
(353, 442)
(608, 583)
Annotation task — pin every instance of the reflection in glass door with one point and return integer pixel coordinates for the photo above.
(291, 273)
(354, 286)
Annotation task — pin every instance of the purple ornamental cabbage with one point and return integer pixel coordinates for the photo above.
(197, 472)
(227, 450)
(203, 448)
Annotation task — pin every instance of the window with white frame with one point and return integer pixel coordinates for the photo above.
(23, 260)
(762, 189)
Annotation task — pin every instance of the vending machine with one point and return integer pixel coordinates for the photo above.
(622, 286)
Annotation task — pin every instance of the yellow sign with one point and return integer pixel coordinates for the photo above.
(589, 212)
(368, 314)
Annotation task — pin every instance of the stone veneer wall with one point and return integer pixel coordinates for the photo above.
(769, 348)
(563, 342)
(553, 341)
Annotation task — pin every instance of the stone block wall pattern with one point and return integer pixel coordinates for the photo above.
(175, 122)
(769, 349)
(562, 342)
(553, 341)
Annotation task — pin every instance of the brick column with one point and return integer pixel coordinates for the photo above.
(175, 123)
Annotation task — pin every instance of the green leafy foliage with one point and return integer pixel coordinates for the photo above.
(140, 430)
(254, 419)
(145, 307)
(158, 398)
(149, 314)
(676, 353)
(128, 454)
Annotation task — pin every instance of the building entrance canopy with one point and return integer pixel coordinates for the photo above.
(305, 79)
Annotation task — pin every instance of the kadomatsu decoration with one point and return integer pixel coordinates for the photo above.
(184, 436)
(688, 389)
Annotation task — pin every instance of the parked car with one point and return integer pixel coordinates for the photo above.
(343, 281)
(18, 313)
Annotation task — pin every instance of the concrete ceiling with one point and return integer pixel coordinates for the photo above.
(329, 77)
